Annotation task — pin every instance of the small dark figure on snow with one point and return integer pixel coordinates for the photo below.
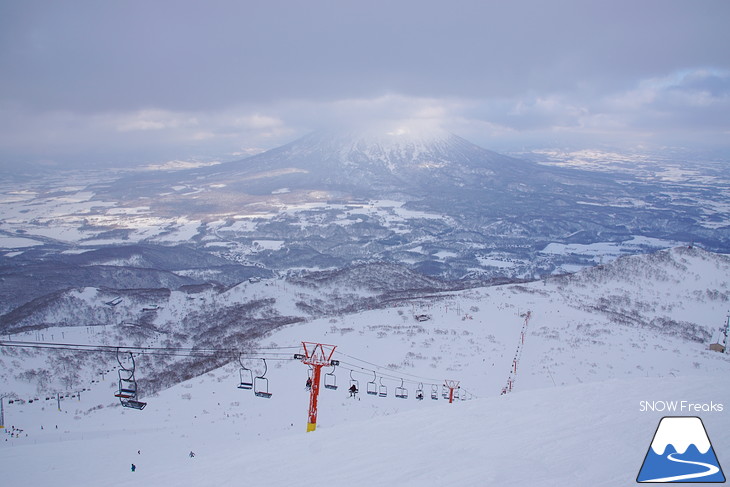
(134, 467)
(192, 454)
(353, 390)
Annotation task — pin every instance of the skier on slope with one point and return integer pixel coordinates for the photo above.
(134, 467)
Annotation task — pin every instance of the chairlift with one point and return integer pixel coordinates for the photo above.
(382, 390)
(401, 392)
(261, 383)
(434, 392)
(127, 393)
(419, 391)
(330, 380)
(245, 375)
(372, 387)
(444, 392)
(308, 384)
(354, 385)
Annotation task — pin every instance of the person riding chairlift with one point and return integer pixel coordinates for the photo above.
(353, 390)
(309, 383)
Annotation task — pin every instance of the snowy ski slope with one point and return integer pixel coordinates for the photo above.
(597, 345)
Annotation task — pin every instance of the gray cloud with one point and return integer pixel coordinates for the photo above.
(89, 79)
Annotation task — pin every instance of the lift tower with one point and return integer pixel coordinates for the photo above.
(316, 355)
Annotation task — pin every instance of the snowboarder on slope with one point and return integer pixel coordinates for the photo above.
(192, 454)
(134, 467)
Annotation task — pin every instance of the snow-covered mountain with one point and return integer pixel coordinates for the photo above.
(432, 202)
(422, 257)
(437, 171)
(378, 166)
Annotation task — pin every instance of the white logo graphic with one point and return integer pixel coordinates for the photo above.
(681, 452)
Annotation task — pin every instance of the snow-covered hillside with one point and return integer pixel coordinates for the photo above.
(589, 434)
(596, 345)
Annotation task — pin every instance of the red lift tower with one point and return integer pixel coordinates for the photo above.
(317, 355)
(452, 385)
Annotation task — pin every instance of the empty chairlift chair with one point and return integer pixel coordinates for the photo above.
(245, 375)
(261, 383)
(401, 392)
(382, 390)
(330, 380)
(127, 391)
(434, 392)
(372, 387)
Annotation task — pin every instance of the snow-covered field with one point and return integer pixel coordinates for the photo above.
(577, 414)
(590, 434)
(51, 210)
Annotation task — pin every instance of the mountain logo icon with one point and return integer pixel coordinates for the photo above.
(680, 452)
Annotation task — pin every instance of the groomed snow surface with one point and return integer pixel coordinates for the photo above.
(584, 435)
(578, 415)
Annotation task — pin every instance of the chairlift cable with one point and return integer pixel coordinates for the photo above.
(256, 353)
(386, 368)
(158, 351)
(389, 376)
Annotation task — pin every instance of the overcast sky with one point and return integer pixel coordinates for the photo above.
(99, 82)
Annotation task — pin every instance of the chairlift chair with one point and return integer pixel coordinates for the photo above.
(127, 388)
(372, 387)
(354, 383)
(261, 383)
(401, 392)
(127, 392)
(308, 384)
(246, 379)
(330, 380)
(245, 375)
(444, 392)
(419, 392)
(134, 404)
(382, 390)
(434, 392)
